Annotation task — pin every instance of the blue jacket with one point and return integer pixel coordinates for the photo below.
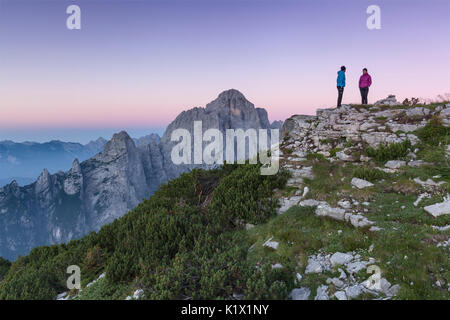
(341, 78)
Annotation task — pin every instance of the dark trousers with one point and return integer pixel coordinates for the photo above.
(340, 94)
(364, 93)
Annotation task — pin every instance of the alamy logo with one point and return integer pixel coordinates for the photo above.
(74, 281)
(374, 20)
(73, 22)
(374, 281)
(212, 153)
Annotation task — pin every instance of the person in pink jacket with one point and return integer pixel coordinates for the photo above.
(364, 83)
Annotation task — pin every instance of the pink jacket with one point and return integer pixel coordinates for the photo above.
(365, 81)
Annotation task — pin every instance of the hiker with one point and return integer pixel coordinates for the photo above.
(341, 84)
(364, 83)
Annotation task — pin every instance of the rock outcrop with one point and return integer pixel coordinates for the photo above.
(349, 130)
(346, 286)
(344, 134)
(333, 128)
(231, 110)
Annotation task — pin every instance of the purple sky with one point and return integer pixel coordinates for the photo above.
(136, 64)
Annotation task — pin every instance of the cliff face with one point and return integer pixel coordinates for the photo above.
(60, 207)
(231, 110)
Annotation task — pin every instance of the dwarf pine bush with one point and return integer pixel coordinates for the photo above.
(434, 132)
(392, 151)
(369, 174)
(4, 267)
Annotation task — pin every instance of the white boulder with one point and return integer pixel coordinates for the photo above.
(340, 258)
(271, 244)
(438, 209)
(360, 183)
(340, 295)
(395, 164)
(322, 293)
(300, 294)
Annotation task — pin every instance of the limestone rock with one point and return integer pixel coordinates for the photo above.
(313, 267)
(287, 203)
(428, 182)
(395, 164)
(299, 174)
(302, 293)
(340, 295)
(271, 244)
(438, 209)
(344, 157)
(318, 263)
(418, 111)
(345, 204)
(312, 203)
(417, 163)
(360, 183)
(354, 291)
(327, 211)
(390, 101)
(277, 266)
(340, 258)
(322, 293)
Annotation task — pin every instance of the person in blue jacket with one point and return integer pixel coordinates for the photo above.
(341, 84)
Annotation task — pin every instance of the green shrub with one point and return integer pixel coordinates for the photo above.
(334, 151)
(434, 132)
(315, 156)
(390, 152)
(369, 174)
(434, 155)
(245, 195)
(4, 267)
(349, 144)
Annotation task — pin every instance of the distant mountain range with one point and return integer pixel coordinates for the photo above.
(23, 162)
(66, 205)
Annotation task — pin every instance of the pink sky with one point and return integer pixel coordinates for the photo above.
(157, 60)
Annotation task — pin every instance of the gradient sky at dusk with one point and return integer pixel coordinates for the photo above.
(136, 65)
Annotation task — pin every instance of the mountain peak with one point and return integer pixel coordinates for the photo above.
(232, 93)
(43, 181)
(120, 143)
(122, 136)
(98, 141)
(45, 173)
(14, 184)
(76, 166)
(145, 140)
(230, 101)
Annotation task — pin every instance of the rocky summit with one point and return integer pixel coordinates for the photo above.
(347, 135)
(66, 205)
(336, 128)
